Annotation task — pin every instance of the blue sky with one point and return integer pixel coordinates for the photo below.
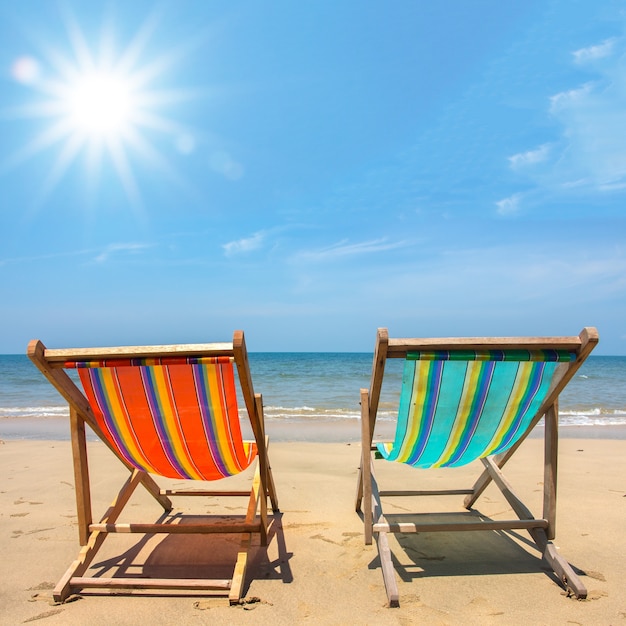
(309, 171)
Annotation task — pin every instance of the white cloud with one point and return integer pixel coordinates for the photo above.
(593, 120)
(590, 155)
(572, 97)
(509, 206)
(345, 249)
(246, 244)
(115, 248)
(531, 157)
(102, 255)
(592, 53)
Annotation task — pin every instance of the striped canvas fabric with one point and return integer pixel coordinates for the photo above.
(458, 406)
(177, 417)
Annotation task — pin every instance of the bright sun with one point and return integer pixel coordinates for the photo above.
(100, 104)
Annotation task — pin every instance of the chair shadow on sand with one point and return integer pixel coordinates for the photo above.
(191, 556)
(472, 553)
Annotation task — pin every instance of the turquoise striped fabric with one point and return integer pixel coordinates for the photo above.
(454, 410)
(492, 355)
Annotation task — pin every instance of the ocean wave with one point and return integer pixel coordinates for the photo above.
(34, 411)
(595, 412)
(290, 408)
(595, 416)
(280, 413)
(585, 420)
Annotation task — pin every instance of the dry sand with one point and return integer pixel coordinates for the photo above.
(317, 568)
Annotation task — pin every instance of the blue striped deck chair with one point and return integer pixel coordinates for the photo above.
(465, 400)
(164, 411)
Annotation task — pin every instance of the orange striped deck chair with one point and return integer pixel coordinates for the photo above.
(464, 400)
(164, 411)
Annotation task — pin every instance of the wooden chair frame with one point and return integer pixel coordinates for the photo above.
(541, 530)
(92, 535)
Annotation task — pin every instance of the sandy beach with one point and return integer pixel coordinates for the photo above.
(316, 568)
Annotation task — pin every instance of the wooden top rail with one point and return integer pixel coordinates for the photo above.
(60, 356)
(398, 348)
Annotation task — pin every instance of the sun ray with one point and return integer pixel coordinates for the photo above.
(83, 55)
(131, 55)
(68, 154)
(126, 176)
(147, 151)
(38, 144)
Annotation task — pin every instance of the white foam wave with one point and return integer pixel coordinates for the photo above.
(308, 414)
(34, 411)
(595, 416)
(595, 412)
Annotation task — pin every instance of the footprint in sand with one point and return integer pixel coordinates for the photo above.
(304, 609)
(322, 538)
(42, 586)
(43, 615)
(484, 606)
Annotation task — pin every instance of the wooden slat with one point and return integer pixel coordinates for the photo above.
(201, 492)
(398, 348)
(445, 527)
(432, 492)
(189, 584)
(58, 356)
(177, 529)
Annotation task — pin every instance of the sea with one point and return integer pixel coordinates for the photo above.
(309, 393)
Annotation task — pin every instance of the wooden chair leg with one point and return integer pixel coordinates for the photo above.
(239, 575)
(81, 475)
(271, 488)
(96, 538)
(359, 488)
(550, 468)
(564, 571)
(366, 467)
(386, 564)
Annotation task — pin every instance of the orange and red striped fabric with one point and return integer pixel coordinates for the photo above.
(178, 419)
